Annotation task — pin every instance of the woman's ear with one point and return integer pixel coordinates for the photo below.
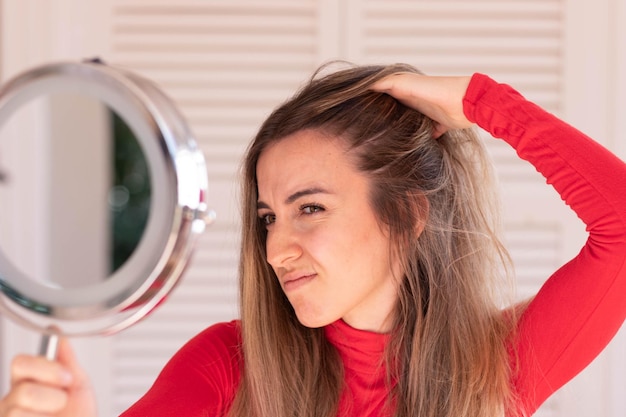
(421, 208)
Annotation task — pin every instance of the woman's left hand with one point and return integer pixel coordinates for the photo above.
(440, 98)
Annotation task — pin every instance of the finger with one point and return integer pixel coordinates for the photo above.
(67, 358)
(16, 412)
(21, 413)
(382, 86)
(439, 130)
(39, 369)
(36, 398)
(396, 84)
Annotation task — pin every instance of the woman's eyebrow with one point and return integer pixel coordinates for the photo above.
(295, 196)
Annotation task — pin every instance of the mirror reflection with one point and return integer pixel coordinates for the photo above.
(75, 191)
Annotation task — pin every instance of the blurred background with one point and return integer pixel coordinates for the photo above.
(228, 63)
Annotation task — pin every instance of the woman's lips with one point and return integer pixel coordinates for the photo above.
(292, 284)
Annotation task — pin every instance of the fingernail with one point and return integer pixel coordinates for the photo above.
(66, 377)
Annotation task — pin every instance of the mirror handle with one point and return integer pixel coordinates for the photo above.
(49, 346)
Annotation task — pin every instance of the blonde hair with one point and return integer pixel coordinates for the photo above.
(448, 351)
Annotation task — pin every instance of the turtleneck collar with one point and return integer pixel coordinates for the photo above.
(361, 351)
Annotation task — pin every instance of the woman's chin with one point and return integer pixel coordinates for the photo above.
(314, 322)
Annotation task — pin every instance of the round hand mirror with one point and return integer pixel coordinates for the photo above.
(102, 193)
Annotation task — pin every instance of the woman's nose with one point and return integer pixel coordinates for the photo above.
(282, 245)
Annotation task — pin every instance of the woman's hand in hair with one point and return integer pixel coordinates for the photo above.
(440, 98)
(40, 387)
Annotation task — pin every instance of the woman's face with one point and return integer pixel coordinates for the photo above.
(324, 242)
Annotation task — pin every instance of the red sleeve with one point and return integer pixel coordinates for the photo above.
(583, 304)
(200, 380)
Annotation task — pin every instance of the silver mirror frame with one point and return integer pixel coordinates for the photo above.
(178, 208)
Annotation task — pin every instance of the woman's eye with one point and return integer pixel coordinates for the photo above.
(267, 219)
(311, 209)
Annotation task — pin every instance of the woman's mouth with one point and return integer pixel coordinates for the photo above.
(292, 284)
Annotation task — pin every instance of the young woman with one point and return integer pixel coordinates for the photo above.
(371, 270)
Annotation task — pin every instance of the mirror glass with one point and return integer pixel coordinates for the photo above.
(102, 193)
(75, 193)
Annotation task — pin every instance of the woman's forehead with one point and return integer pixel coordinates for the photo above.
(306, 159)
